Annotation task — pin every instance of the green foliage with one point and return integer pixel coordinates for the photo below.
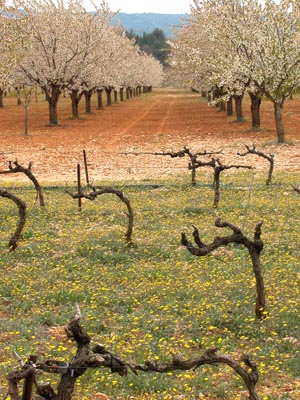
(154, 43)
(154, 299)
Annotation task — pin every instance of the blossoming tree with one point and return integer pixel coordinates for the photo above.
(254, 46)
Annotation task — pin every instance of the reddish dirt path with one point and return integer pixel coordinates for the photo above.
(163, 120)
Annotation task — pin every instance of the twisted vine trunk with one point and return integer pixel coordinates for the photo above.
(27, 171)
(102, 357)
(13, 243)
(254, 248)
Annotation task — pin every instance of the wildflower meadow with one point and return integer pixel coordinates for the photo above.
(154, 299)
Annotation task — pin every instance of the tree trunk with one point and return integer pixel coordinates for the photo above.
(1, 98)
(255, 110)
(99, 99)
(121, 94)
(75, 98)
(19, 101)
(229, 106)
(278, 121)
(216, 95)
(238, 107)
(26, 121)
(88, 96)
(115, 96)
(209, 96)
(52, 94)
(223, 106)
(108, 96)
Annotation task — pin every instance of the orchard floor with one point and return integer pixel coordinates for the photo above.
(164, 120)
(116, 137)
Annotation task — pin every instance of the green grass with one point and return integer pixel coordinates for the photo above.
(154, 298)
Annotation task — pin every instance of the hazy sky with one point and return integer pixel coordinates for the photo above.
(155, 6)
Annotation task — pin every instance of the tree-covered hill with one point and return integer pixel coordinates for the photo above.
(147, 22)
(154, 43)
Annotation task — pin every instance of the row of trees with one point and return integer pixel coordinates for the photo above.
(241, 46)
(63, 48)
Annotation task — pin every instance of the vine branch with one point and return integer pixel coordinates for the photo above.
(13, 243)
(101, 357)
(269, 157)
(254, 247)
(27, 171)
(98, 192)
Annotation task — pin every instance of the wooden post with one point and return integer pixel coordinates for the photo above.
(28, 382)
(86, 168)
(79, 187)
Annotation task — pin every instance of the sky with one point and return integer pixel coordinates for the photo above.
(154, 6)
(144, 6)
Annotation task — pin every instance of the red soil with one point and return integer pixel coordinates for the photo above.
(165, 119)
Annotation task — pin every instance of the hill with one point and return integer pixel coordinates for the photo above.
(147, 22)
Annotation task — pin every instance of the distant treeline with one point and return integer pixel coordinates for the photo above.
(154, 43)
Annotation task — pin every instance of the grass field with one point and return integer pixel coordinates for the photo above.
(154, 299)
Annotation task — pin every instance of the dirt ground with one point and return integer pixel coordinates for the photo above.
(164, 120)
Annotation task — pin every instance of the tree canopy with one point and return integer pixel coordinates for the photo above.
(65, 48)
(241, 46)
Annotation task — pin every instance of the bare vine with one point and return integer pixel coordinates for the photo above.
(98, 192)
(254, 248)
(218, 167)
(13, 243)
(101, 357)
(297, 189)
(27, 171)
(193, 158)
(269, 157)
